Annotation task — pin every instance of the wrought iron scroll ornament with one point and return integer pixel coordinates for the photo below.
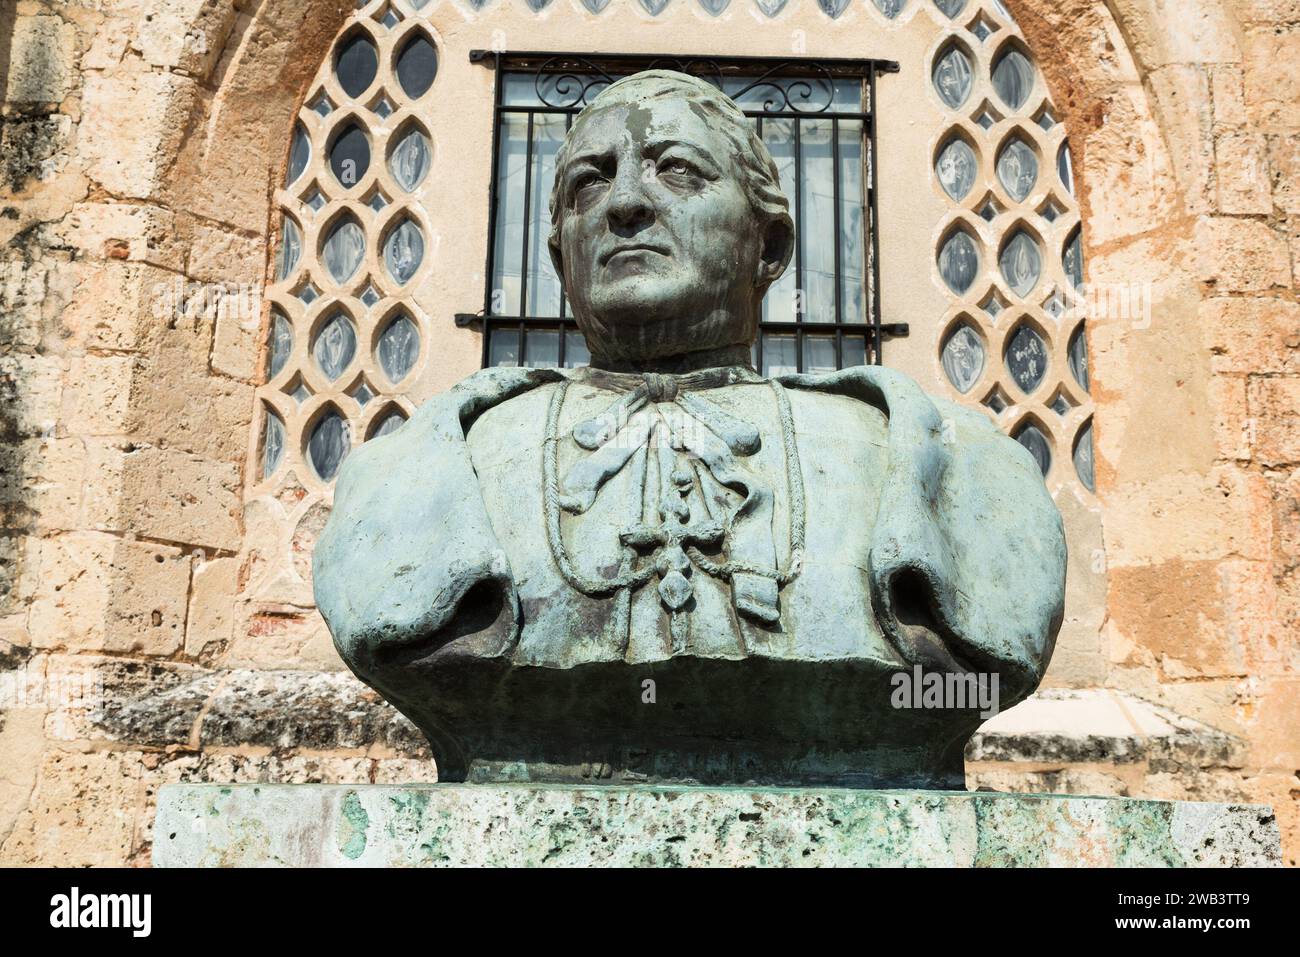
(569, 88)
(569, 82)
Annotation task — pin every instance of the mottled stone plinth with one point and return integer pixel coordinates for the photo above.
(525, 825)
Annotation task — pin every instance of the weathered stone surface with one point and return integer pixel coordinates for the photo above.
(520, 825)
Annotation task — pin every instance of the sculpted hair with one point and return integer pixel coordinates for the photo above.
(758, 173)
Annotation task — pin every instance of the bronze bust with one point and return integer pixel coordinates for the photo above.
(667, 567)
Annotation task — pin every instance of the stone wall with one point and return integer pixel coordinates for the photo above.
(139, 144)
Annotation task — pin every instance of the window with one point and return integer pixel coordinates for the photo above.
(816, 119)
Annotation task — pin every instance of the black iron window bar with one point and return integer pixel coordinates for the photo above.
(564, 83)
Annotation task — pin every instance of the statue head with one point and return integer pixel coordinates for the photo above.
(668, 222)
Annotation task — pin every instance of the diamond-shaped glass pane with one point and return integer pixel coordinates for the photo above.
(1032, 438)
(344, 248)
(1072, 260)
(1017, 169)
(357, 64)
(403, 251)
(959, 261)
(370, 295)
(1083, 457)
(963, 358)
(1077, 357)
(399, 345)
(890, 8)
(330, 442)
(1026, 358)
(350, 155)
(1021, 263)
(417, 64)
(272, 443)
(409, 159)
(362, 394)
(953, 77)
(299, 154)
(290, 248)
(1013, 78)
(950, 8)
(391, 422)
(335, 346)
(280, 344)
(956, 168)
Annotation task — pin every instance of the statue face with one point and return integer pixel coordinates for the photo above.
(660, 246)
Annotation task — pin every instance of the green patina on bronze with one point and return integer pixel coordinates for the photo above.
(515, 564)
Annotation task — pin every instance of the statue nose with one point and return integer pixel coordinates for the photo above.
(629, 208)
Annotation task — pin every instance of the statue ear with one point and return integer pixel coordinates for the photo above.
(557, 260)
(778, 247)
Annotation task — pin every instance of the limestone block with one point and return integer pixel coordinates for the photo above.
(1274, 743)
(1272, 82)
(1097, 726)
(1178, 611)
(521, 825)
(186, 35)
(31, 389)
(1241, 168)
(1275, 405)
(1251, 335)
(235, 342)
(212, 604)
(101, 495)
(1233, 426)
(1189, 518)
(219, 254)
(41, 61)
(175, 496)
(1239, 255)
(1284, 165)
(1182, 95)
(132, 159)
(124, 231)
(177, 402)
(101, 592)
(109, 44)
(81, 814)
(115, 303)
(1183, 31)
(98, 394)
(1229, 96)
(46, 477)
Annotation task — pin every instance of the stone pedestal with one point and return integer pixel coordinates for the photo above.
(527, 824)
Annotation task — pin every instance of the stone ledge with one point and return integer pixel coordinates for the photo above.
(156, 704)
(529, 825)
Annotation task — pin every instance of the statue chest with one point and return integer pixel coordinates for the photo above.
(730, 522)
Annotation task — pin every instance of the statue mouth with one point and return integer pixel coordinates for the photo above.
(632, 248)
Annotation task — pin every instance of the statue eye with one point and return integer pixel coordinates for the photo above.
(586, 180)
(678, 167)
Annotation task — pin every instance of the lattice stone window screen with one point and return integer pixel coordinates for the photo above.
(345, 336)
(1010, 251)
(347, 340)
